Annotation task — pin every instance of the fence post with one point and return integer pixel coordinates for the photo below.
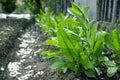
(114, 11)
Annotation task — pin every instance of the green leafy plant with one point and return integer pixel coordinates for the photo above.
(113, 43)
(44, 20)
(49, 22)
(80, 44)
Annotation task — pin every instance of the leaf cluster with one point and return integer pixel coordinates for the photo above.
(80, 43)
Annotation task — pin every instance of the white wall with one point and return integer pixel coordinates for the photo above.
(92, 14)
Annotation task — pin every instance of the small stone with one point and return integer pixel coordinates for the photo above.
(2, 69)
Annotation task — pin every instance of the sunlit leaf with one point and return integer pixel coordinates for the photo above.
(110, 63)
(85, 61)
(66, 44)
(59, 65)
(51, 42)
(99, 72)
(111, 71)
(50, 53)
(77, 11)
(90, 73)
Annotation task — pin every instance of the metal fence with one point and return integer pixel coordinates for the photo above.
(108, 10)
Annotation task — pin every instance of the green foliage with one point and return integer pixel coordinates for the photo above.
(3, 0)
(49, 22)
(80, 43)
(113, 43)
(33, 5)
(8, 6)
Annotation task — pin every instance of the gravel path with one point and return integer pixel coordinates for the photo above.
(25, 64)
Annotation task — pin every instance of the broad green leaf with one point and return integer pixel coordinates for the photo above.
(100, 35)
(77, 11)
(103, 59)
(116, 39)
(59, 65)
(66, 44)
(117, 54)
(110, 63)
(99, 72)
(109, 40)
(86, 10)
(111, 71)
(51, 42)
(79, 14)
(93, 31)
(75, 38)
(59, 18)
(50, 53)
(78, 48)
(71, 67)
(71, 32)
(90, 73)
(99, 44)
(64, 69)
(98, 48)
(94, 28)
(85, 61)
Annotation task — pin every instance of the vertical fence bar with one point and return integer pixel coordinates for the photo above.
(114, 11)
(102, 9)
(118, 10)
(107, 8)
(119, 13)
(98, 9)
(109, 11)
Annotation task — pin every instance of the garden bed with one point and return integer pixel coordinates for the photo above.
(26, 61)
(88, 49)
(27, 56)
